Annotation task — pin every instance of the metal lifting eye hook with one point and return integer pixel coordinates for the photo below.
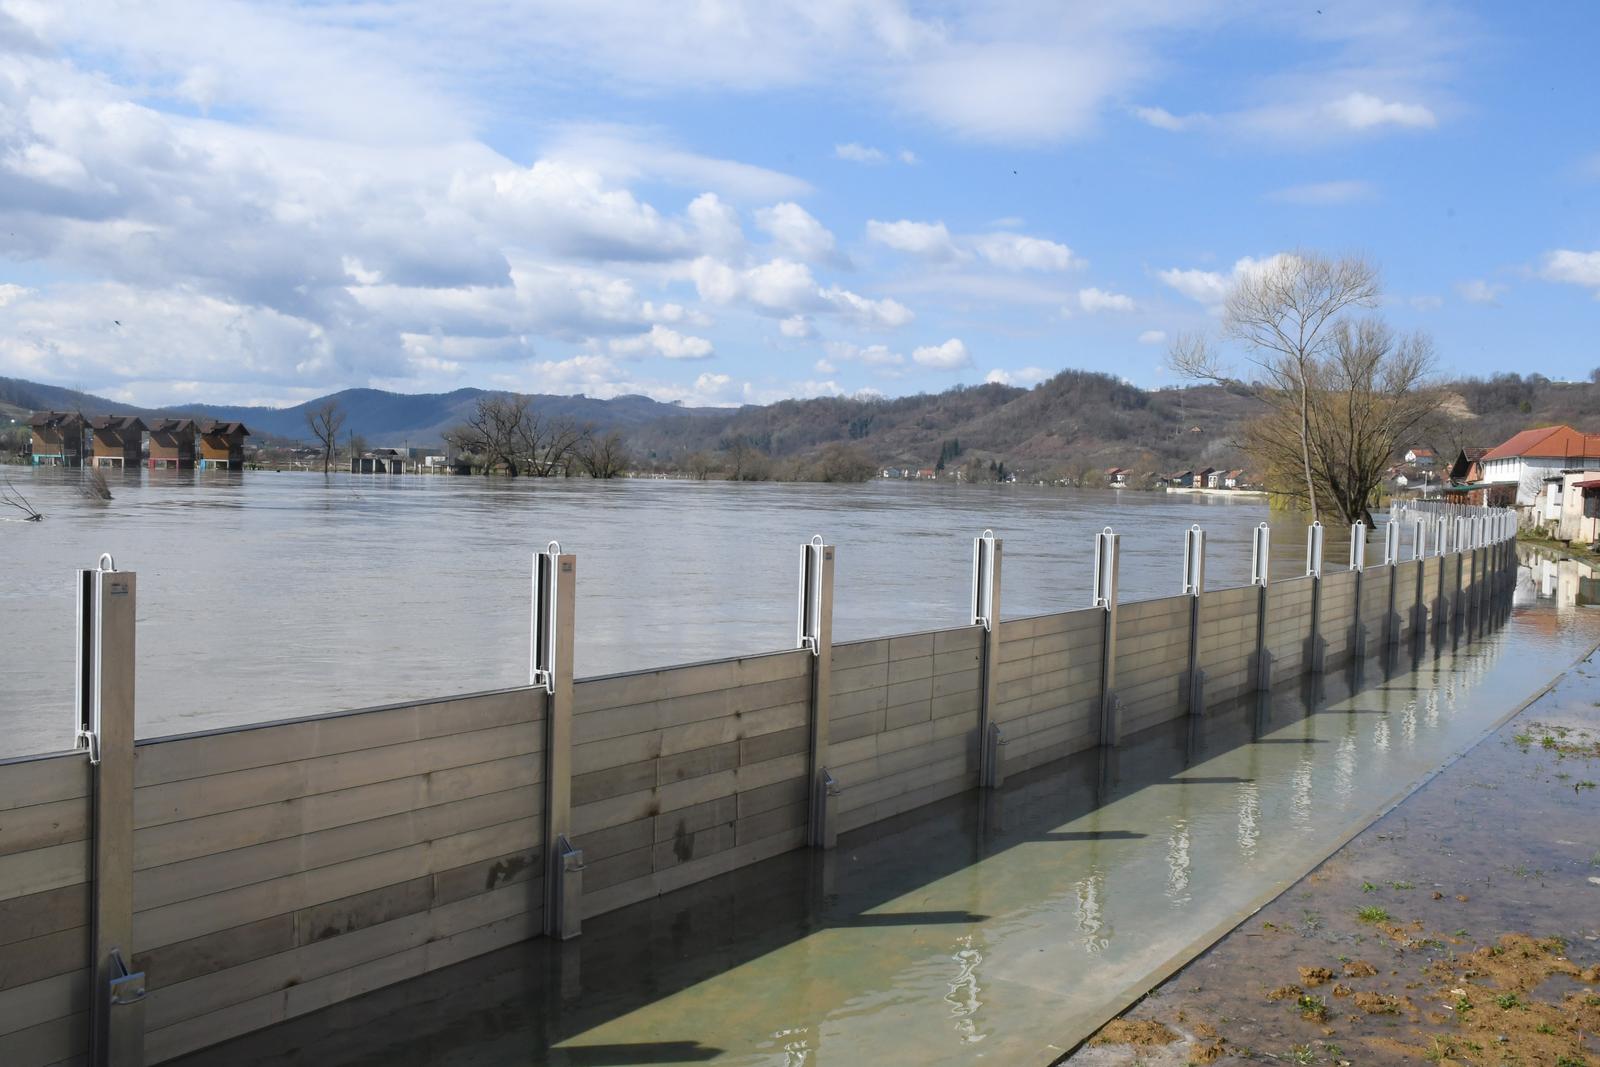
(554, 547)
(816, 540)
(106, 563)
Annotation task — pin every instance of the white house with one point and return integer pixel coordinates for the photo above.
(1515, 472)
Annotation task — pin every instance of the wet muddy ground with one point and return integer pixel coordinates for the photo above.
(1463, 927)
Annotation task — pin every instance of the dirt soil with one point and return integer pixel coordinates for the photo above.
(1461, 928)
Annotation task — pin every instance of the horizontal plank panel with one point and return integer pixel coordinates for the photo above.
(625, 690)
(162, 760)
(50, 998)
(31, 780)
(190, 838)
(23, 829)
(168, 1042)
(192, 797)
(185, 880)
(42, 1044)
(45, 956)
(43, 869)
(173, 1003)
(235, 907)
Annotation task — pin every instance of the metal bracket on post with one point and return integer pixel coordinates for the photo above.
(1358, 563)
(986, 552)
(1194, 587)
(994, 757)
(1315, 653)
(1260, 574)
(1441, 606)
(1391, 559)
(550, 653)
(107, 613)
(1419, 606)
(814, 632)
(1106, 545)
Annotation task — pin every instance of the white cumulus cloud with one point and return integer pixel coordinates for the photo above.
(663, 341)
(1479, 291)
(860, 153)
(929, 239)
(1363, 111)
(952, 355)
(1153, 337)
(1573, 268)
(1026, 376)
(1092, 300)
(796, 232)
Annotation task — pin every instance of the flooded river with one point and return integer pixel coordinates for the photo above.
(268, 595)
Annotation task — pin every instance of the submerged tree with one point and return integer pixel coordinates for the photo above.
(1283, 313)
(325, 420)
(605, 457)
(505, 434)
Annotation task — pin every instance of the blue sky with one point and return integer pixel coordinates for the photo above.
(723, 203)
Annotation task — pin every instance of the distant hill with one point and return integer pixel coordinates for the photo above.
(1073, 425)
(383, 418)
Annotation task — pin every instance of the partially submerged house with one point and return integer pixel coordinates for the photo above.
(1578, 520)
(378, 461)
(118, 440)
(58, 438)
(222, 445)
(1117, 477)
(172, 444)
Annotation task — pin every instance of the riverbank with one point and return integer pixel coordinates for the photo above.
(1459, 928)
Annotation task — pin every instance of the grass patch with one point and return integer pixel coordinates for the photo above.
(1373, 914)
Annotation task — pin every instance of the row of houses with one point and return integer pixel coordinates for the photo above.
(68, 439)
(1204, 478)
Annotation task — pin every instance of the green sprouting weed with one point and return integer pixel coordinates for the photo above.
(1368, 887)
(1313, 1007)
(1507, 1001)
(1401, 885)
(1373, 914)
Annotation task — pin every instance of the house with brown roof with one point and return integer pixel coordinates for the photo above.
(1117, 477)
(118, 440)
(1515, 472)
(172, 444)
(57, 438)
(1468, 466)
(222, 445)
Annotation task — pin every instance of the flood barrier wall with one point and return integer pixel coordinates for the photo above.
(280, 868)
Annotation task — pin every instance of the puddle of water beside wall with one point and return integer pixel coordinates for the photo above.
(999, 928)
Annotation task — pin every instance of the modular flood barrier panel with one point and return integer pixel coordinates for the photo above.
(162, 896)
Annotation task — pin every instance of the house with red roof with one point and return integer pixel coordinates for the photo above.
(1515, 472)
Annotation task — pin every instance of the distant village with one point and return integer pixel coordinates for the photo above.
(1550, 474)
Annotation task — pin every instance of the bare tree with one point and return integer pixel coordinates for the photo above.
(605, 457)
(1368, 394)
(840, 462)
(747, 462)
(490, 433)
(325, 420)
(1282, 313)
(699, 465)
(503, 433)
(549, 446)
